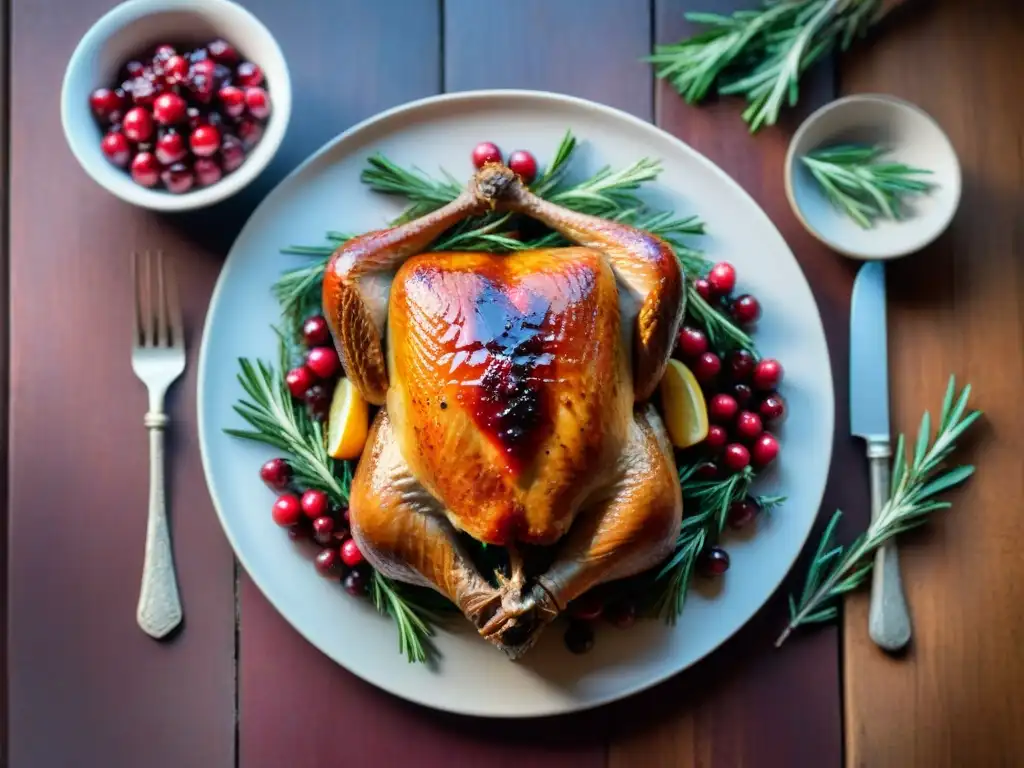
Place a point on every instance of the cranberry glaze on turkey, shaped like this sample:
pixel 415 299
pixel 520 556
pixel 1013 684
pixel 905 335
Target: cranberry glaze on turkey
pixel 514 390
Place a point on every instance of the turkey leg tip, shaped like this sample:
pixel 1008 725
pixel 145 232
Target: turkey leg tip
pixel 495 182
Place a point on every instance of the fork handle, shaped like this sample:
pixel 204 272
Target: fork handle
pixel 159 609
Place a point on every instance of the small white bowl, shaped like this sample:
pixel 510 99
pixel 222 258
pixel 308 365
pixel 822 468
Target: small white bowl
pixel 912 137
pixel 136 25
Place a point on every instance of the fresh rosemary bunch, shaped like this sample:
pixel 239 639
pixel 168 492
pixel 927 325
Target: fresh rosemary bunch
pixel 761 54
pixel 712 499
pixel 836 570
pixel 860 185
pixel 278 420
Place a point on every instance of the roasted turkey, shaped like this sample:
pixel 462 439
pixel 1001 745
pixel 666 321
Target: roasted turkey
pixel 514 393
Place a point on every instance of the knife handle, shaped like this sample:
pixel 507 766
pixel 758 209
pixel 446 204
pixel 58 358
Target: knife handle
pixel 889 617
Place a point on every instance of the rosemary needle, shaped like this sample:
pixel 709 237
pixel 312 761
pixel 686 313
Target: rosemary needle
pixel 861 185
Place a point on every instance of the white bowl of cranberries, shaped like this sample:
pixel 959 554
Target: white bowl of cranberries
pixel 174 105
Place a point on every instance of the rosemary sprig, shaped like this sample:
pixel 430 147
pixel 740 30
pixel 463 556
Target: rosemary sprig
pixel 836 570
pixel 277 420
pixel 723 333
pixel 712 499
pixel 761 54
pixel 860 185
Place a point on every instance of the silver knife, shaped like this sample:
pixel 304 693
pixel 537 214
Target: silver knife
pixel 888 618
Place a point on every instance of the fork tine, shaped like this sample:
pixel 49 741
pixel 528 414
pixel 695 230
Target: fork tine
pixel 174 311
pixel 163 329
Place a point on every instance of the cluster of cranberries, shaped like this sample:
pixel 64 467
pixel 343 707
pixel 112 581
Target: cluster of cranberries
pixel 584 613
pixel 181 117
pixel 520 162
pixel 742 399
pixel 313 382
pixel 309 514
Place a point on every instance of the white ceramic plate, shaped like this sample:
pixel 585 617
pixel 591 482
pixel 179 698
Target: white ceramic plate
pixel 325 193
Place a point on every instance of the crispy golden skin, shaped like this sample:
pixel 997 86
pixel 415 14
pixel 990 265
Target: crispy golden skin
pixel 514 390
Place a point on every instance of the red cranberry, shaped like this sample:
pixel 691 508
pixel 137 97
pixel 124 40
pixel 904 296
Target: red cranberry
pixel 486 152
pixel 258 103
pixel 204 141
pixel 315 332
pixel 742 512
pixel 145 169
pixel 706 367
pixel 767 374
pixel 116 148
pixel 748 425
pixel 743 394
pixel 327 562
pixel 207 171
pixel 134 69
pixel 356 583
pixel 350 554
pixel 250 132
pixel 323 530
pixel 233 100
pixel 299 380
pixel 722 278
pixel 222 51
pixel 586 607
pixel 163 53
pixel 708 470
pixel 323 361
pixel 524 164
pixel 716 438
pixel 713 561
pixel 204 67
pixel 169 108
pixel 298 532
pixel 772 408
pixel 178 178
pixel 144 90
pixel 176 70
pixel 703 288
pixel 740 364
pixel 201 87
pixel 315 503
pixel 249 75
pixel 138 124
pixel 722 408
pixel 692 342
pixel 318 401
pixel 232 153
pixel 736 457
pixel 287 510
pixel 764 450
pixel 746 309
pixel 276 474
pixel 170 148
pixel 579 637
pixel 621 614
pixel 105 101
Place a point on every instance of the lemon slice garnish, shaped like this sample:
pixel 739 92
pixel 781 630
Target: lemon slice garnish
pixel 682 402
pixel 348 422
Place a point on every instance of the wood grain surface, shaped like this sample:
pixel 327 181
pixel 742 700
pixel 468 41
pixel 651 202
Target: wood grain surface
pixel 956 307
pixel 87 686
pixel 237 685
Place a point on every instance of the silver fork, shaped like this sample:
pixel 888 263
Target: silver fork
pixel 158 359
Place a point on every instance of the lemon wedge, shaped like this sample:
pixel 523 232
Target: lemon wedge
pixel 683 407
pixel 347 422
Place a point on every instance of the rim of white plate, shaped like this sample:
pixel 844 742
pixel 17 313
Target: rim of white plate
pixel 505 93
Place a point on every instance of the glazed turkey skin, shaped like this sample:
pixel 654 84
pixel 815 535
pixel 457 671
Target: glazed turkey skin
pixel 510 388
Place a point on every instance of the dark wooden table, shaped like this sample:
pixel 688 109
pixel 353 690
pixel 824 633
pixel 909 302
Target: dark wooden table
pixel 237 685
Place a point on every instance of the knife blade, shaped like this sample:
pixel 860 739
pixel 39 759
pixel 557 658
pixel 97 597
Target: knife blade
pixel 869 364
pixel 888 616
